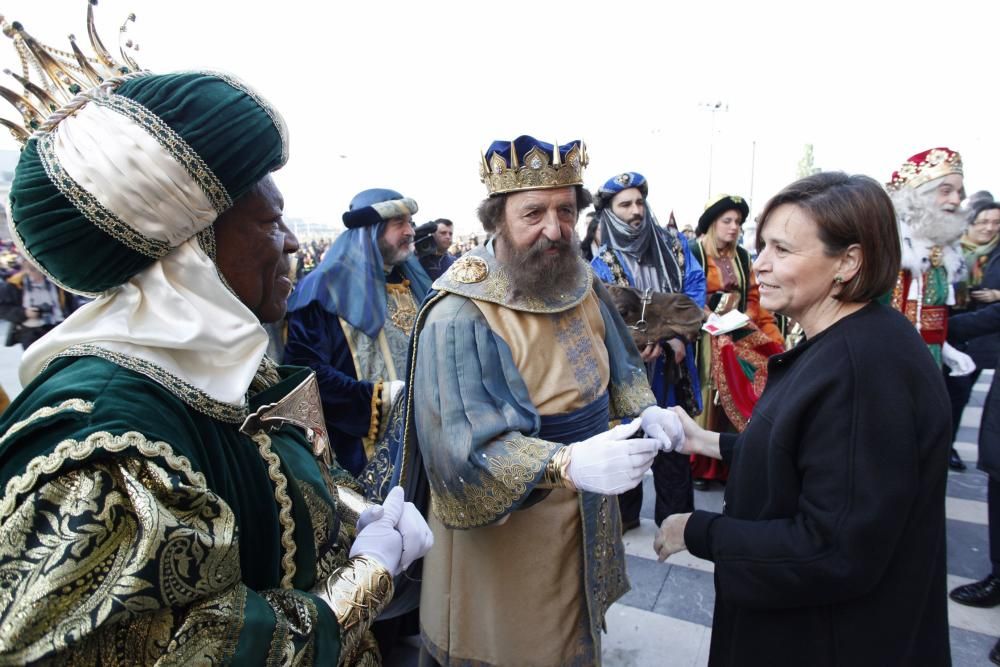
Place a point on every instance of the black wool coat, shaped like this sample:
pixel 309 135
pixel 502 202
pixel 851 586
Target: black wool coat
pixel 831 546
pixel 983 323
pixel 984 349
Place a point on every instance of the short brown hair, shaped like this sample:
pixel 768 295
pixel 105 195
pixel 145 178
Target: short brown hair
pixel 491 209
pixel 848 210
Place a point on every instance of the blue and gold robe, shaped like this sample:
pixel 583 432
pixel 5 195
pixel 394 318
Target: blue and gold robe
pixel 519 573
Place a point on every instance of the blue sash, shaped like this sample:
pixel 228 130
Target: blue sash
pixel 577 425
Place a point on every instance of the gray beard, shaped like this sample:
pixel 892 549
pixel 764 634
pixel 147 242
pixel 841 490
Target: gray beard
pixel 532 273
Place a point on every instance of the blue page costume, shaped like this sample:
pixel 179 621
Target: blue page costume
pixel 350 320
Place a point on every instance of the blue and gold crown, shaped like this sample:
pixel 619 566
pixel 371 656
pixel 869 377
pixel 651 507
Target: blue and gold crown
pixel 528 164
pixel 61 74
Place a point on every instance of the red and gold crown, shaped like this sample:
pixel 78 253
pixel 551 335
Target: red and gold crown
pixel 925 167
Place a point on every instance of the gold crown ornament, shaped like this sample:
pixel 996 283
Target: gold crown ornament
pixel 925 167
pixel 61 77
pixel 528 164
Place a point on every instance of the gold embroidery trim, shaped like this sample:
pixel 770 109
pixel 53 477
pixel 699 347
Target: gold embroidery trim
pixel 78 450
pixel 631 397
pixel 505 481
pixel 376 412
pixel 357 593
pixel 186 392
pixel 74 404
pixel 400 305
pixel 284 507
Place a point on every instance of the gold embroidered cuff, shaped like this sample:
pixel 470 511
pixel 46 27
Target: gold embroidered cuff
pixel 556 475
pixel 357 593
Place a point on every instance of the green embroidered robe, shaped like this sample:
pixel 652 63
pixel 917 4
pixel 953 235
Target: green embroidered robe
pixel 137 527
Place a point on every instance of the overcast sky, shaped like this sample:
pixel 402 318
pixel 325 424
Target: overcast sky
pixel 405 94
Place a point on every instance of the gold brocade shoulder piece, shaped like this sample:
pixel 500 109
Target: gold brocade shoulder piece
pixel 78 450
pixel 479 276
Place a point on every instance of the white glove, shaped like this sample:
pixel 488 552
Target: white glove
pixel 958 363
pixel 665 426
pixel 417 536
pixel 611 462
pixel 392 389
pixel 379 538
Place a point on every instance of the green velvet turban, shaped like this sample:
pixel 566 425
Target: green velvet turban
pixel 136 170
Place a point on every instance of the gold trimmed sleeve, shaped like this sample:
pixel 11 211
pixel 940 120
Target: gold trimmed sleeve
pixel 514 467
pixel 629 398
pixel 357 593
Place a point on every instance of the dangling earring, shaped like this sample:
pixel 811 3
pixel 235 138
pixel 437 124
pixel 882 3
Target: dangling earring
pixel 838 279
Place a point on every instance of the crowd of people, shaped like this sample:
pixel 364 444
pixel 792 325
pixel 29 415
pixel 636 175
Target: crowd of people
pixel 452 444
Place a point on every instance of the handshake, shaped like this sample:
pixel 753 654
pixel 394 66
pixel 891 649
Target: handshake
pixel 613 462
pixel 393 533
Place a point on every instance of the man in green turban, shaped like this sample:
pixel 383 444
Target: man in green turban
pixel 169 493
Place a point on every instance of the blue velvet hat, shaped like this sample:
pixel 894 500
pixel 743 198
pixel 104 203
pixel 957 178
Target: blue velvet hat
pixel 616 184
pixel 370 207
pixel 529 164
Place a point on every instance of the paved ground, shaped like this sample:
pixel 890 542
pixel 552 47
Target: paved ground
pixel 666 619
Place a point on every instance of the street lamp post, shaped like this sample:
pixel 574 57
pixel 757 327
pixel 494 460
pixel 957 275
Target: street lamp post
pixel 713 107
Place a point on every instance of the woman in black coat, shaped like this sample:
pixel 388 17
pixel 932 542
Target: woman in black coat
pixel 830 549
pixel 986 592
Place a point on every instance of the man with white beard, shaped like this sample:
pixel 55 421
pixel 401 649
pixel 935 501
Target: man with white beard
pixel 519 363
pixel 927 191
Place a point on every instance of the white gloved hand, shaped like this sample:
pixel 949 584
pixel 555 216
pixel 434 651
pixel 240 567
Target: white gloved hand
pixel 379 538
pixel 611 462
pixel 392 389
pixel 665 426
pixel 958 363
pixel 417 536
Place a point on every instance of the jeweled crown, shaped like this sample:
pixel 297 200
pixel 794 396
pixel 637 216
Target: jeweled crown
pixel 528 164
pixel 59 75
pixel 924 167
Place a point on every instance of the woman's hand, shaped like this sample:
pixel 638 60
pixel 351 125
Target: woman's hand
pixel 696 439
pixel 984 295
pixel 670 538
pixel 651 352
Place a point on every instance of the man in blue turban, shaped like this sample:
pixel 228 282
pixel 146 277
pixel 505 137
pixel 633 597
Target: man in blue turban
pixel 638 252
pixel 350 320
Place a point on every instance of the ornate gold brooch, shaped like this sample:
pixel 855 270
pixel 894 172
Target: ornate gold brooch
pixel 469 270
